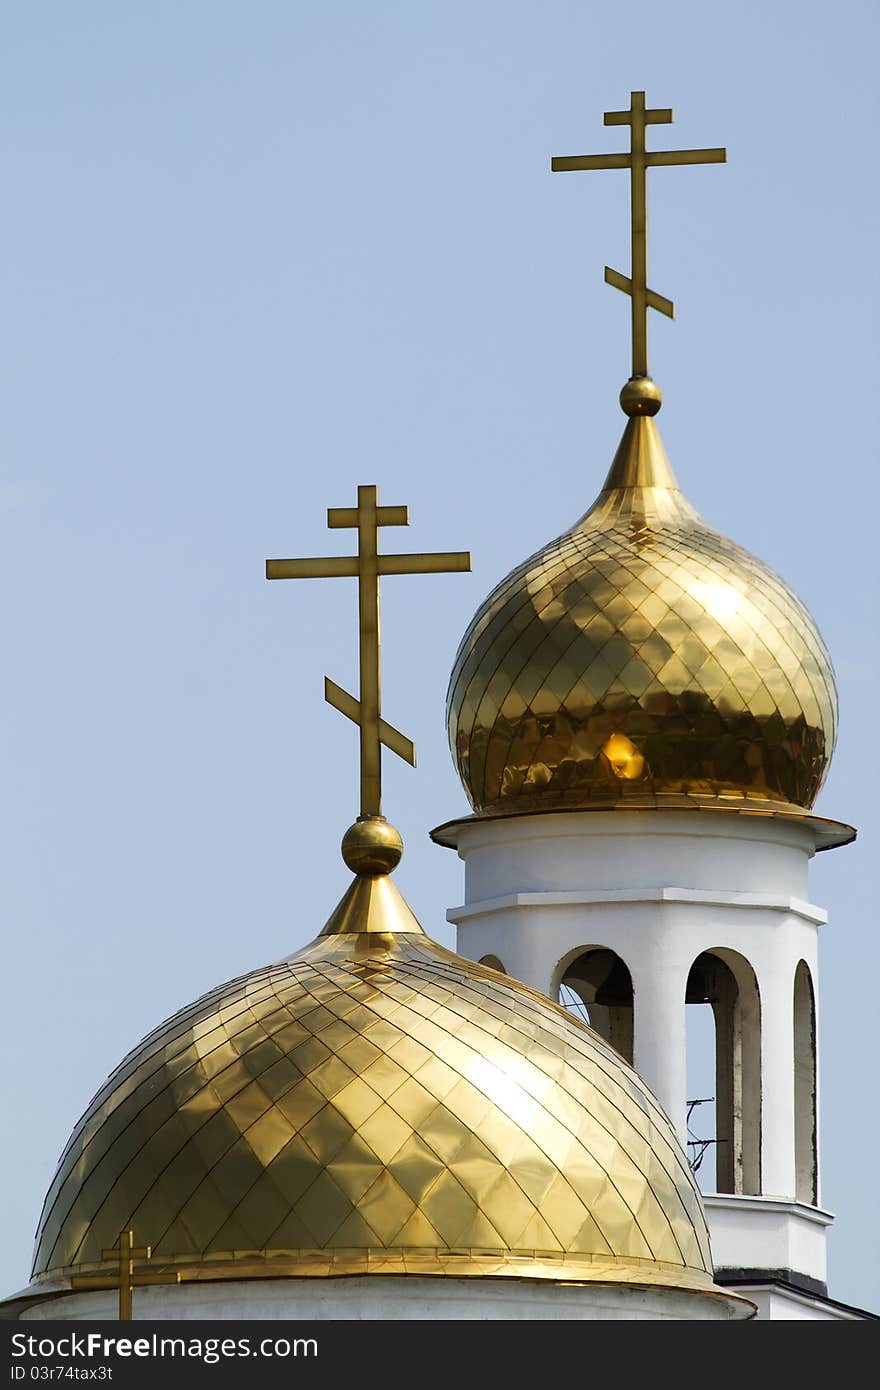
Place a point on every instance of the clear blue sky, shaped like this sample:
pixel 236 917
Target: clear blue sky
pixel 256 254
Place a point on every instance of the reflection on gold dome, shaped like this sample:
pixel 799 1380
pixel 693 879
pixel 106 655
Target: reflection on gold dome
pixel 625 759
pixel 641 653
pixel 375 1104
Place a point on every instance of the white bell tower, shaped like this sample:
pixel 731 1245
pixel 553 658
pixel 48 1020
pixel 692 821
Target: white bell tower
pixel 640 912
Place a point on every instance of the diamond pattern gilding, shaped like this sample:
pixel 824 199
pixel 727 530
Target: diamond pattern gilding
pixel 643 622
pixel 284 1120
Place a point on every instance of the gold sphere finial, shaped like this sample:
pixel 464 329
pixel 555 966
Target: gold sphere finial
pixel 372 846
pixel 640 396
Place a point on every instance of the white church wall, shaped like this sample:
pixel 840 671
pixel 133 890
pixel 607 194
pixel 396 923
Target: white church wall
pixel 786 1305
pixel 588 849
pixel 398 1299
pixel 764 1233
pixel 660 889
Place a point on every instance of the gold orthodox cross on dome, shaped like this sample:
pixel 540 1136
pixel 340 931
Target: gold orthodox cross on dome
pixel 638 161
pixel 367 567
pixel 126 1278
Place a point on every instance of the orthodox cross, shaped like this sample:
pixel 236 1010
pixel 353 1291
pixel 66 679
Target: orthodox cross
pixel 367 566
pixel 127 1278
pixel 638 161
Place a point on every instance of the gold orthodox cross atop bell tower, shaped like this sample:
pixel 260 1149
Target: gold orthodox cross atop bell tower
pixel 638 161
pixel 367 567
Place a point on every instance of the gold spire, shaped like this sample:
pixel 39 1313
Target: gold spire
pixel 638 161
pixel 371 846
pixel 373 905
pixel 641 460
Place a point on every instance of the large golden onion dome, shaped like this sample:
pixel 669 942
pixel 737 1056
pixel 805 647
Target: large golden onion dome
pixel 638 657
pixel 374 1104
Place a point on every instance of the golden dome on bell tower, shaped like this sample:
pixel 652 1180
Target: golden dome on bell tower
pixel 641 657
pixel 641 652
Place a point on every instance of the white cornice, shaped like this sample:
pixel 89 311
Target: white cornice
pixel 608 897
pixel 731 1201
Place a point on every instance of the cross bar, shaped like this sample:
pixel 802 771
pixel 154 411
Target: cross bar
pixel 655 301
pixel 564 163
pixel 106 1281
pixel 142 1252
pixel 561 164
pixel 660 115
pixel 658 158
pixel 351 708
pixel 333 567
pixel 347 517
pixel 346 566
pixel 442 562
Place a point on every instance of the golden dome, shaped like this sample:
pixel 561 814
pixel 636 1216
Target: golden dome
pixel 641 656
pixel 374 1104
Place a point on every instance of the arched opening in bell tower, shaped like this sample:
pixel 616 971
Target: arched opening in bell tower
pixel 724 980
pixel 805 1147
pixel 596 985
